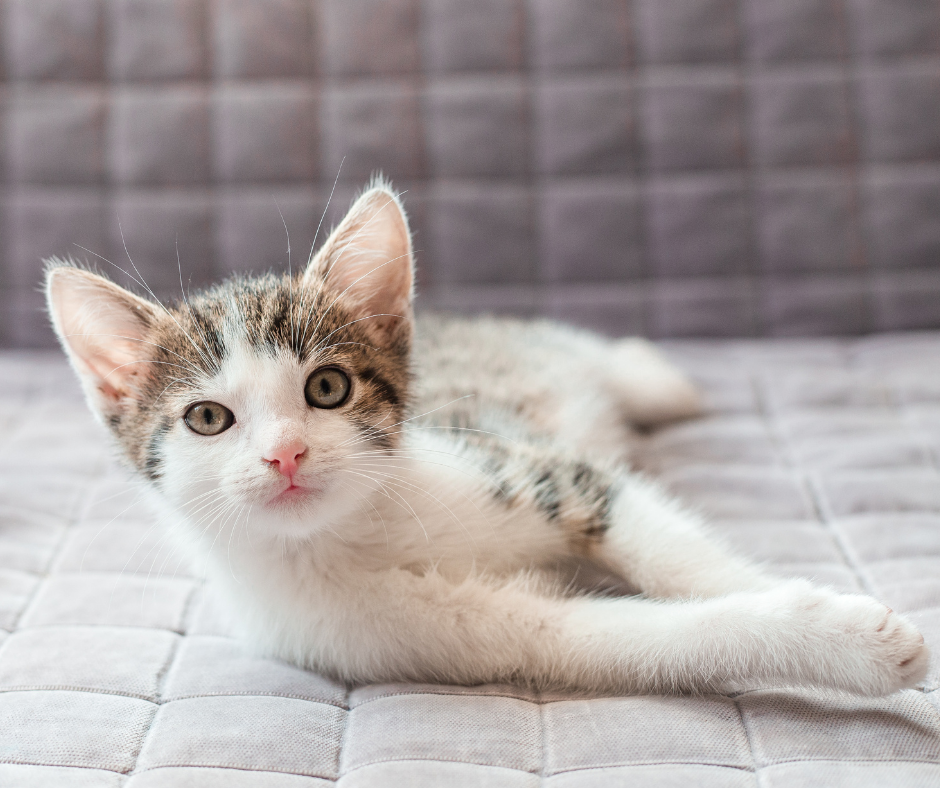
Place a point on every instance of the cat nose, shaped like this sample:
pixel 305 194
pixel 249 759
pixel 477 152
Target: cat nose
pixel 284 458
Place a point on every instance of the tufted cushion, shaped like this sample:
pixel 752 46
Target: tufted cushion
pixel 664 167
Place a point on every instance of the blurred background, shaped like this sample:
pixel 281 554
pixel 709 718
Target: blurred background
pixel 661 167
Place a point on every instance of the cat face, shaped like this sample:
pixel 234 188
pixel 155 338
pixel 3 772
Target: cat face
pixel 261 403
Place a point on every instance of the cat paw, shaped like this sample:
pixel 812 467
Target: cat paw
pixel 874 651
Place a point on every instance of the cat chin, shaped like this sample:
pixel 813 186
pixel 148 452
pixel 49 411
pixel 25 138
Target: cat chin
pixel 300 516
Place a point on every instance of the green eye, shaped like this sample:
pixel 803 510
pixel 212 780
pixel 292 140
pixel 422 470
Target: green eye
pixel 327 388
pixel 209 418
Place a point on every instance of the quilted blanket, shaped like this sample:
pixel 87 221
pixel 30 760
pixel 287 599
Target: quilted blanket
pixel 819 457
pixel 676 168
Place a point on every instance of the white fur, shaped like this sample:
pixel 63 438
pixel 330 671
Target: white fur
pixel 430 578
pixel 406 566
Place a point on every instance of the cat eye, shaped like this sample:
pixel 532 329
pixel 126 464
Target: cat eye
pixel 209 418
pixel 327 388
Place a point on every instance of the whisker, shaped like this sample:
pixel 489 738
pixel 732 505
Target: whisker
pixel 126 273
pixel 229 548
pixel 154 296
pixel 351 285
pixel 409 485
pixel 420 415
pixel 191 368
pixel 483 479
pixel 404 503
pixel 290 278
pixel 214 366
pixel 364 439
pixel 313 243
pixel 330 271
pixel 346 484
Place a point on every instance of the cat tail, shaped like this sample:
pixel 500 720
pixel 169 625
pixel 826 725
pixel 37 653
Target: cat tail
pixel 650 388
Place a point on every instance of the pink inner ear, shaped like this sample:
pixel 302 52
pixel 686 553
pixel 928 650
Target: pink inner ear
pixel 102 327
pixel 113 371
pixel 368 259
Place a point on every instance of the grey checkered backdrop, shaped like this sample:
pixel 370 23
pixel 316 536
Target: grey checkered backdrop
pixel 665 167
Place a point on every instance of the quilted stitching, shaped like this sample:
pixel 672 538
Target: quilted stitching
pixel 819 458
pixel 667 167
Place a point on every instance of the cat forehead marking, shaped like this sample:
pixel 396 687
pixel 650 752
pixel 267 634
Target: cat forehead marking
pixel 270 313
pixel 270 378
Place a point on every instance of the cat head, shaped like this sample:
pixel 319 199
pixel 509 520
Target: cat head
pixel 261 395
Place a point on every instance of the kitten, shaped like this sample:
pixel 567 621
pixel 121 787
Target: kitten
pixel 380 513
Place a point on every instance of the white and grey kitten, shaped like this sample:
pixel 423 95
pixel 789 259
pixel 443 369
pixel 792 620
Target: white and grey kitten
pixel 381 513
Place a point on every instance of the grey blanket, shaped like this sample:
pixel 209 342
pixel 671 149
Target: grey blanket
pixel 818 457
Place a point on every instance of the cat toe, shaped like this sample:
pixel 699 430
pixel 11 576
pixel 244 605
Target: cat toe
pixel 908 649
pixel 892 651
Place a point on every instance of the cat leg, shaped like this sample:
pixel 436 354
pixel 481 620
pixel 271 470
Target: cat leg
pixel 628 525
pixel 619 520
pixel 395 625
pixel 665 550
pixel 650 389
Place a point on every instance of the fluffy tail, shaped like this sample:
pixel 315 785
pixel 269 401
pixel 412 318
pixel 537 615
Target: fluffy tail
pixel 652 390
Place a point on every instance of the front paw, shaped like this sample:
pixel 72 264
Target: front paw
pixel 870 649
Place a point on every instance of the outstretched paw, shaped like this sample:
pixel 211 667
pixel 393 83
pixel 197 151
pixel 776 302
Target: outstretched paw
pixel 882 651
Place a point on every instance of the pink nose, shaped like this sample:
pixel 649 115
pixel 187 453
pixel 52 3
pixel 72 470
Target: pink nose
pixel 284 458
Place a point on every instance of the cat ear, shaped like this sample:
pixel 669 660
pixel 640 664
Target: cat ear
pixel 367 260
pixel 103 329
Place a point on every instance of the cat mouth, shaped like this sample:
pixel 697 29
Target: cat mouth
pixel 296 493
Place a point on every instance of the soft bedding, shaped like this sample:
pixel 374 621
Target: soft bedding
pixel 819 457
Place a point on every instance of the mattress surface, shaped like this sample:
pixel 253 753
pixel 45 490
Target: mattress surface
pixel 818 457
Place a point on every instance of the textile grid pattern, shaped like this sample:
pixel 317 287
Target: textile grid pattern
pixel 659 167
pixel 820 457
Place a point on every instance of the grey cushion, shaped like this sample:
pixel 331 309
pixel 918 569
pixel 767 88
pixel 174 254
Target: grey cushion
pixel 816 457
pixel 665 167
